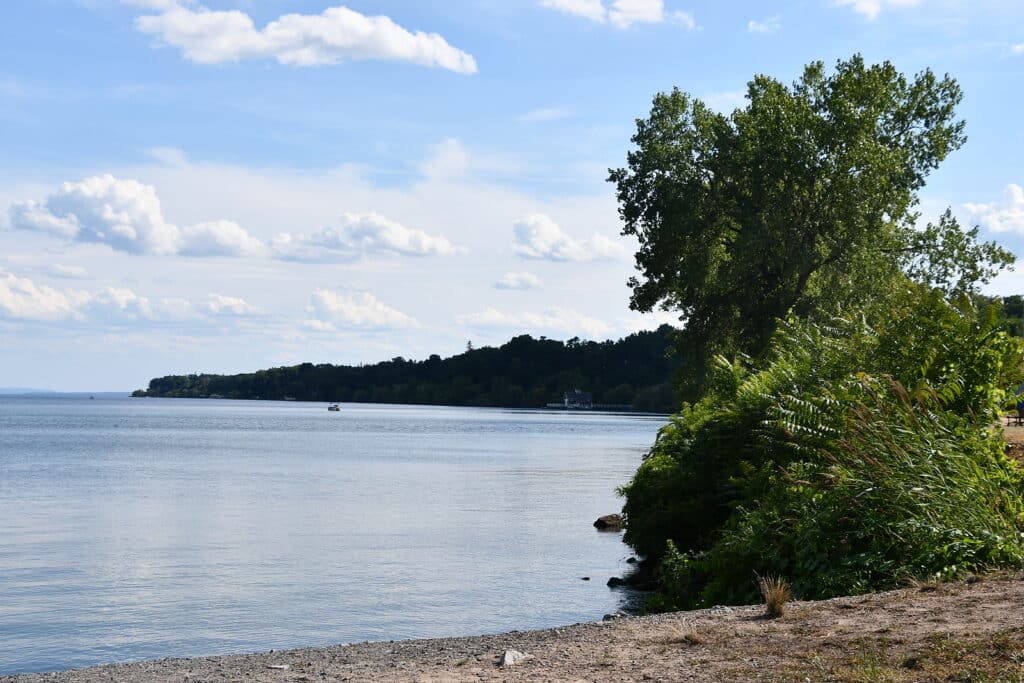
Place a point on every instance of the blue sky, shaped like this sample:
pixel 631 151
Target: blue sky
pixel 225 185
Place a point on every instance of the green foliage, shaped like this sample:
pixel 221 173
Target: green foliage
pixel 852 457
pixel 911 490
pixel 801 201
pixel 523 373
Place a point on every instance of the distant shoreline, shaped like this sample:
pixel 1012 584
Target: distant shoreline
pixel 540 409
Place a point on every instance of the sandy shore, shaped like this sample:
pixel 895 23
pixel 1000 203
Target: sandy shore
pixel 966 631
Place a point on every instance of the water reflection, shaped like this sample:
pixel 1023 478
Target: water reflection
pixel 152 528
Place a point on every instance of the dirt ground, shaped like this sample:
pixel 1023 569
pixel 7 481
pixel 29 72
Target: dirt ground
pixel 965 631
pixel 1014 441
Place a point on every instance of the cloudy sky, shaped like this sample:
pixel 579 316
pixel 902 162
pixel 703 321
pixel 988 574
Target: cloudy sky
pixel 225 185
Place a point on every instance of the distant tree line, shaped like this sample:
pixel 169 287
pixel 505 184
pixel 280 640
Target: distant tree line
pixel 522 373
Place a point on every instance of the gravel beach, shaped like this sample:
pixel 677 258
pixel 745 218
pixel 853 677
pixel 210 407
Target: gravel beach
pixel 964 631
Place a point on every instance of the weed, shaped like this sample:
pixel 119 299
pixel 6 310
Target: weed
pixel 776 594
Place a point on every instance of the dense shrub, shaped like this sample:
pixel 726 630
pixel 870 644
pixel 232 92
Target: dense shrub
pixel 848 459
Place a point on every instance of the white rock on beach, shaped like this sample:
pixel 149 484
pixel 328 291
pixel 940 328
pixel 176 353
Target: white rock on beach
pixel 513 657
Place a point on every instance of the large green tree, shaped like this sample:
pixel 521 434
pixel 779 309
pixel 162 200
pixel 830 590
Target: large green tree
pixel 801 201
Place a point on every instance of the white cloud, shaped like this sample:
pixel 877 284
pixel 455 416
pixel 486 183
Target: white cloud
pixel 536 236
pixel 521 280
pixel 588 9
pixel 449 160
pixel 219 238
pixel 124 214
pixel 557 320
pixel 23 299
pixel 336 35
pixel 684 19
pixel 333 310
pixel 625 13
pixel 770 25
pixel 1017 49
pixel 218 304
pixel 872 8
pixel 360 234
pixel 622 13
pixel 637 322
pixel 127 216
pixel 1004 216
pixel 122 303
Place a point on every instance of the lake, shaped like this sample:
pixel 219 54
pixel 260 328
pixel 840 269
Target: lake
pixel 148 528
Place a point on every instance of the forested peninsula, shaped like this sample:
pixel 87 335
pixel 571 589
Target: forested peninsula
pixel 525 372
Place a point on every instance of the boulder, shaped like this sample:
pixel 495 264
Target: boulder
pixel 609 523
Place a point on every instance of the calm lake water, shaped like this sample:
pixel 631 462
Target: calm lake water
pixel 148 528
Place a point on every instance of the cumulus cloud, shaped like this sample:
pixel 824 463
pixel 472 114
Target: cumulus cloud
pixel 519 281
pixel 872 8
pixel 622 13
pixel 536 236
pixel 557 320
pixel 359 234
pixel 21 298
pixel 336 35
pixel 1004 216
pixel 126 215
pixel 330 311
pixel 218 304
pixel 1017 49
pixel 219 238
pixel 122 303
pixel 770 25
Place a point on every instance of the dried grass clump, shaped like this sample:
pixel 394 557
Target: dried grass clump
pixel 776 594
pixel 676 635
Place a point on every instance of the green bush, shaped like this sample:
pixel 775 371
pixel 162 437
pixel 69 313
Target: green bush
pixel 849 458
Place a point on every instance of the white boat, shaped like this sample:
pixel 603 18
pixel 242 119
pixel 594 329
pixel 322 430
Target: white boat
pixel 334 408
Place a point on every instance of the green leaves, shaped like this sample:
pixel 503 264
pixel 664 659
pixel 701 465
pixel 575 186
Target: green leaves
pixel 848 459
pixel 801 201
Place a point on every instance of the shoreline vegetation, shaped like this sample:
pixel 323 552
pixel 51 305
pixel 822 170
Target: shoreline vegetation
pixel 970 630
pixel 632 373
pixel 837 435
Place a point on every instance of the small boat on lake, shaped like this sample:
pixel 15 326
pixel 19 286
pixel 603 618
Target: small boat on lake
pixel 334 408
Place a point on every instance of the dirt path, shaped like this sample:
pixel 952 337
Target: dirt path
pixel 1014 441
pixel 968 631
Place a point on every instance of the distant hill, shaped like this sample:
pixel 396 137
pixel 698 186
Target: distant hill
pixel 525 372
